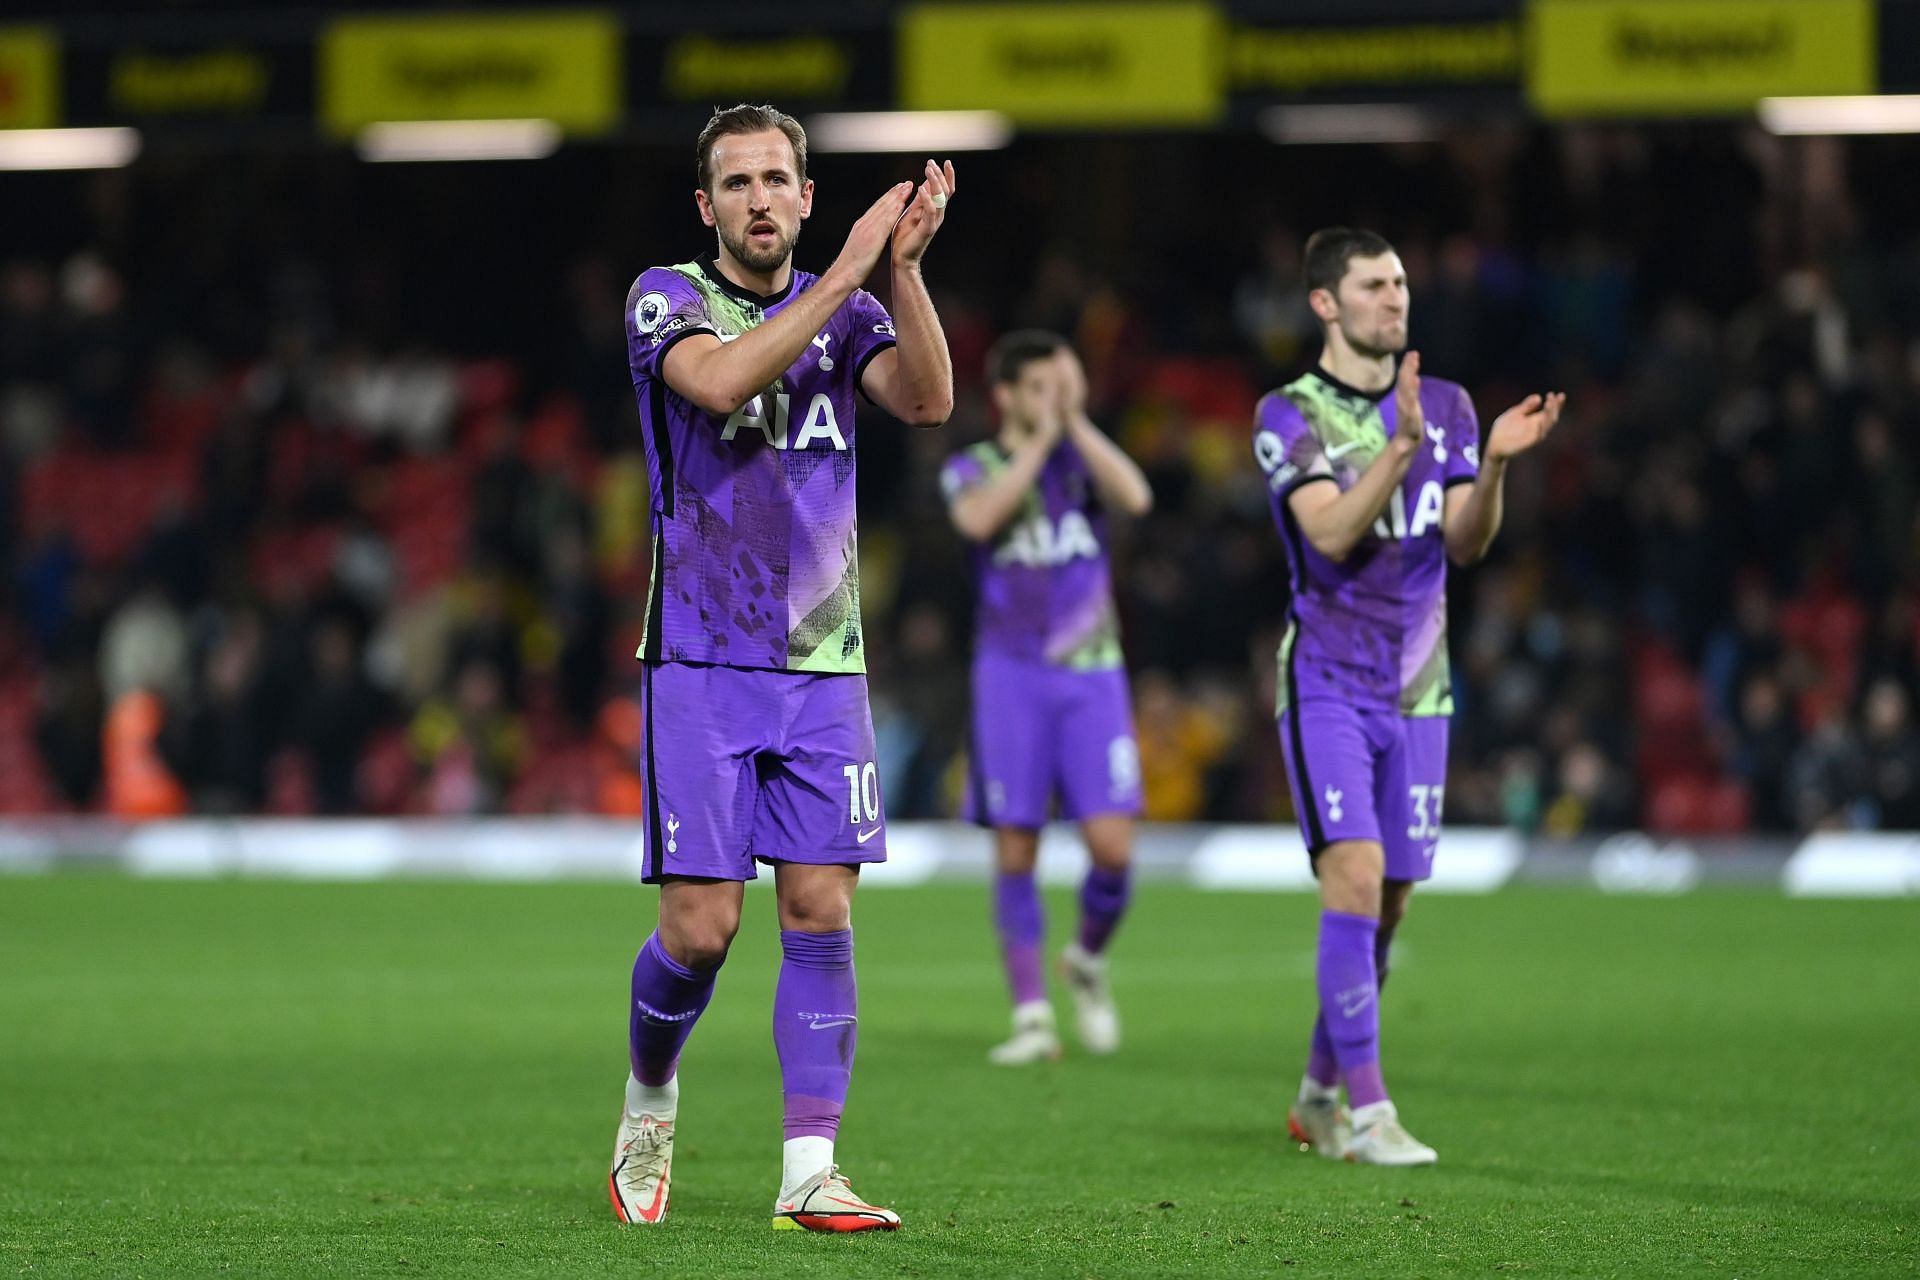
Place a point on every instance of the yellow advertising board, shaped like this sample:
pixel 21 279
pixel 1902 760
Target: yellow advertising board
pixel 29 78
pixel 1288 59
pixel 1075 64
pixel 231 81
pixel 563 67
pixel 1694 57
pixel 704 67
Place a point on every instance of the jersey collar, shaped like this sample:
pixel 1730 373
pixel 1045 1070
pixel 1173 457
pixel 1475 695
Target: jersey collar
pixel 1357 393
pixel 709 265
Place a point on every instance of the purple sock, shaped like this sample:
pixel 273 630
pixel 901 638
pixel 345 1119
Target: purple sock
pixel 668 999
pixel 1350 1002
pixel 1322 1066
pixel 1103 900
pixel 1016 913
pixel 816 1024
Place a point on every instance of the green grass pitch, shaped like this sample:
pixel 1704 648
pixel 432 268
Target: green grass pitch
pixel 412 1079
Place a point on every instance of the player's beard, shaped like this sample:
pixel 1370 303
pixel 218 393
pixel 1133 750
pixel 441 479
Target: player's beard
pixel 760 261
pixel 1377 345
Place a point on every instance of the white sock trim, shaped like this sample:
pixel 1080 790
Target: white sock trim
pixel 1312 1090
pixel 800 1159
pixel 1373 1113
pixel 657 1100
pixel 1033 1011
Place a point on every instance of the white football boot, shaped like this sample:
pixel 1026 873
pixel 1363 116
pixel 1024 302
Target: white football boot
pixel 1034 1038
pixel 642 1166
pixel 825 1202
pixel 1094 1014
pixel 1378 1138
pixel 1322 1124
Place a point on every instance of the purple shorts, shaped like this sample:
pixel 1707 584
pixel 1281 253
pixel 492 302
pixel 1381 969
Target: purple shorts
pixel 1041 731
pixel 741 765
pixel 1358 774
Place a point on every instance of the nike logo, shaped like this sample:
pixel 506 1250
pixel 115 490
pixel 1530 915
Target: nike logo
pixel 1337 452
pixel 652 1212
pixel 851 1204
pixel 865 836
pixel 821 1024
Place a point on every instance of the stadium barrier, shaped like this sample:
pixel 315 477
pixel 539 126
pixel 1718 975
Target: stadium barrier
pixel 1226 858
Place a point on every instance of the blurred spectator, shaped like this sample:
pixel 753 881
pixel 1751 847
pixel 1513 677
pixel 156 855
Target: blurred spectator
pixel 1827 777
pixel 97 351
pixel 1270 304
pixel 470 743
pixel 225 736
pixel 408 398
pixel 67 730
pixel 1179 746
pixel 139 781
pixel 502 501
pixel 339 710
pixel 484 632
pixel 144 648
pixel 923 714
pixel 1764 756
pixel 1590 795
pixel 44 587
pixel 575 620
pixel 30 407
pixel 1892 755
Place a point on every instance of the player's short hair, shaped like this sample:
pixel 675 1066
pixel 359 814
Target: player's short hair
pixel 1330 249
pixel 1016 350
pixel 747 118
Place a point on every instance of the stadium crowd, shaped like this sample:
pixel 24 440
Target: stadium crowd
pixel 304 510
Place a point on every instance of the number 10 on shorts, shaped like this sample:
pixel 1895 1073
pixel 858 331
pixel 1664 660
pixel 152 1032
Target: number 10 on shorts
pixel 863 791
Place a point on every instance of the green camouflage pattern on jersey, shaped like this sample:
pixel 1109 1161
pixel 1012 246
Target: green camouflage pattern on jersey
pixel 1352 432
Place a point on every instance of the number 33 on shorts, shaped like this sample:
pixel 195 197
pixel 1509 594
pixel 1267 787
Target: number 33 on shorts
pixel 1424 803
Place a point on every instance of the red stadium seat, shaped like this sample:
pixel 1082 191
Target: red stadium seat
pixel 1678 806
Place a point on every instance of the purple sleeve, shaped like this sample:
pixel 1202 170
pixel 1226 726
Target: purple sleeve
pixel 869 332
pixel 1285 447
pixel 961 472
pixel 662 307
pixel 1463 442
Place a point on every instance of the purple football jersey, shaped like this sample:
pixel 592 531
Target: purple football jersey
pixel 1045 585
pixel 1372 629
pixel 754 561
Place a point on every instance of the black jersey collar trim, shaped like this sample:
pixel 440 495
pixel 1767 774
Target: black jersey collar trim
pixel 1337 385
pixel 709 265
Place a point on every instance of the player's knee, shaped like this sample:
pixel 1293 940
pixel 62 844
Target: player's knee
pixel 1110 845
pixel 1015 851
pixel 821 912
pixel 700 942
pixel 706 947
pixel 1352 884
